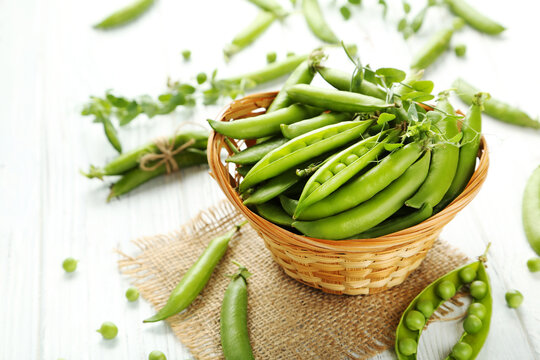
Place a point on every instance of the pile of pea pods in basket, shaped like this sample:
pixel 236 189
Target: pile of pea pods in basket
pixel 372 153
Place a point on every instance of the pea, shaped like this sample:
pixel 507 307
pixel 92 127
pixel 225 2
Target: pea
pixel 271 57
pixel 478 289
pixel 345 12
pixel 186 54
pixel 446 289
pixel 108 330
pixel 467 275
pixel 425 307
pixel 415 320
pixel 70 265
pixel 407 346
pixel 201 78
pixel 132 294
pixel 460 50
pixel 472 324
pixel 478 309
pixel 534 264
pixel 462 351
pixel 157 355
pixel 514 299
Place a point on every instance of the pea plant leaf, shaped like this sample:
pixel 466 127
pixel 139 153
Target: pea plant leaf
pixel 390 75
pixel 423 85
pixel 385 117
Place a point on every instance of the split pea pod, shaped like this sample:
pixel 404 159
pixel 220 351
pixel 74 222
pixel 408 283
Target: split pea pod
pixel 302 149
pixel 270 5
pixel 137 176
pixel 341 80
pixel 495 108
pixel 248 35
pixel 263 125
pixel 434 48
pixel 304 126
pixel 531 210
pixel 336 100
pixel 474 18
pixel 274 213
pixel 364 187
pixel 443 166
pixel 125 15
pixel 303 74
pixel 196 278
pixel 233 320
pixel 316 22
pixel 372 212
pixel 256 152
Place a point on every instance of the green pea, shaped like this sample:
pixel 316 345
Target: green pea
pixel 462 351
pixel 132 294
pixel 157 355
pixel 467 274
pixel 271 57
pixel 201 78
pixel 460 50
pixel 533 264
pixel 472 324
pixel 478 309
pixel 415 320
pixel 514 299
pixel 108 330
pixel 478 289
pixel 186 54
pixel 446 289
pixel 345 12
pixel 425 307
pixel 70 265
pixel 407 346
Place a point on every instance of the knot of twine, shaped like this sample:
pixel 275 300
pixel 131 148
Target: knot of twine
pixel 166 155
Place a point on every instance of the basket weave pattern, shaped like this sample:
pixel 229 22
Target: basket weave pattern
pixel 353 267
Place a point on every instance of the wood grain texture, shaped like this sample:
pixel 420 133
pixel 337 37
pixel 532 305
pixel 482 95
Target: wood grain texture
pixel 52 60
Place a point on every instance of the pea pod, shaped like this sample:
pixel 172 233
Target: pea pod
pixel 365 186
pixel 495 108
pixel 125 15
pixel 443 166
pixel 436 45
pixel 248 35
pixel 274 213
pixel 474 18
pixel 316 22
pixel 339 169
pixel 304 126
pixel 263 125
pixel 303 74
pixel 429 300
pixel 271 5
pixel 303 148
pixel 341 80
pixel 112 134
pixel 372 212
pixel 243 170
pixel 256 152
pixel 531 210
pixel 196 278
pixel 273 188
pixel 335 100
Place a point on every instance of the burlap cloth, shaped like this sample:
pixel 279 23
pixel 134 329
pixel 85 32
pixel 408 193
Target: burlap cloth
pixel 287 320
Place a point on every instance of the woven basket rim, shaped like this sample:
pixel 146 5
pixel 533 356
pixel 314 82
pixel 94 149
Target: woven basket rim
pixel 387 242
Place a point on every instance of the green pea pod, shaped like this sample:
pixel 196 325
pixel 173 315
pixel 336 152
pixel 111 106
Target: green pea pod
pixel 273 188
pixel 336 100
pixel 470 143
pixel 303 74
pixel 248 35
pixel 429 300
pixel 365 186
pixel 436 45
pixel 233 319
pixel 274 213
pixel 495 108
pixel 125 15
pixel 196 278
pixel 341 80
pixel 302 149
pixel 136 177
pixel 531 210
pixel 443 103
pixel 304 126
pixel 256 152
pixel 112 134
pixel 270 5
pixel 339 169
pixel 474 18
pixel 396 224
pixel 372 212
pixel 316 22
pixel 243 170
pixel 443 166
pixel 263 125
pixel 130 159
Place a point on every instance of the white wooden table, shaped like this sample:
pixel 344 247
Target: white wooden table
pixel 51 60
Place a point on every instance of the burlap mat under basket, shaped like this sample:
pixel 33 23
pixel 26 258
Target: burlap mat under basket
pixel 287 320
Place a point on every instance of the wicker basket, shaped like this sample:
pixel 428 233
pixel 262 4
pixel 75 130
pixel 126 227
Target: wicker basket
pixel 350 267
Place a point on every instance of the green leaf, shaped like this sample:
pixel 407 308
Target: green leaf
pixel 385 117
pixel 423 85
pixel 369 75
pixel 391 75
pixel 417 96
pixel 402 24
pixel 412 113
pixel 116 101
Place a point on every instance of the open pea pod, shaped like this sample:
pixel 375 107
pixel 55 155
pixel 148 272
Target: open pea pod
pixel 426 303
